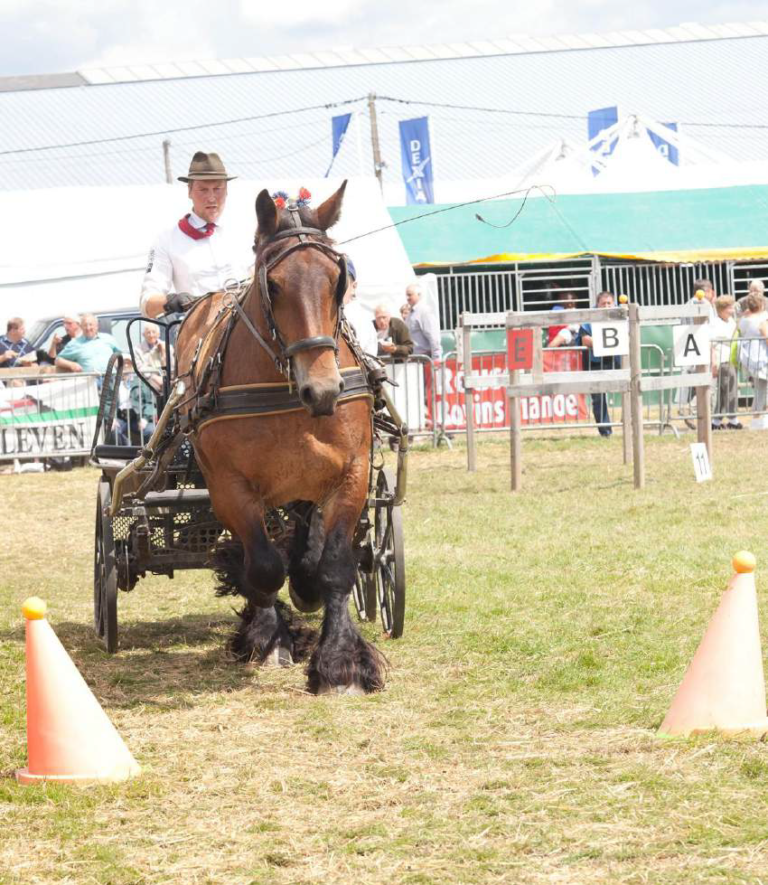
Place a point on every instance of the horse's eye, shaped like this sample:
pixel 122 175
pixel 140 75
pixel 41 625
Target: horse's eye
pixel 274 289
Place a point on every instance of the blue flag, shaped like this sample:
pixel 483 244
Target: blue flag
pixel 666 150
pixel 339 127
pixel 417 161
pixel 598 120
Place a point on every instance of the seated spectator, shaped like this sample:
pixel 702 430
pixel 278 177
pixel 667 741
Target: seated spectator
pixel 563 336
pixel 723 329
pixel 135 415
pixel 151 355
pixel 15 351
pixel 393 335
pixel 90 352
pixel 71 323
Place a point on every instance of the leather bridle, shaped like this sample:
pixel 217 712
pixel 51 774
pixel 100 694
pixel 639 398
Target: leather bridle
pixel 285 352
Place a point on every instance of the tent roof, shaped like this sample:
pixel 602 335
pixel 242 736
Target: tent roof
pixel 677 226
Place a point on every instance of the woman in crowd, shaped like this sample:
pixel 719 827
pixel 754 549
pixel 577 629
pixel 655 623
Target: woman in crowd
pixel 753 352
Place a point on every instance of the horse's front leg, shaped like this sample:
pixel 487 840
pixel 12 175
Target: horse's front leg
pixel 256 572
pixel 343 661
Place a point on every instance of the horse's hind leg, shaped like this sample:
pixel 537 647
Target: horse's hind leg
pixel 343 661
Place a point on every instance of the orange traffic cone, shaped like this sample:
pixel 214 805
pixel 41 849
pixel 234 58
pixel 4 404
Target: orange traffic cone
pixel 724 687
pixel 69 737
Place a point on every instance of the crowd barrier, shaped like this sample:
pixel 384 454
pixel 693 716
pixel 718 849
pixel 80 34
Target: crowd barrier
pixel 53 416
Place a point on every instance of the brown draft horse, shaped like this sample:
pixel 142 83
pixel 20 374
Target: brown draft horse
pixel 316 457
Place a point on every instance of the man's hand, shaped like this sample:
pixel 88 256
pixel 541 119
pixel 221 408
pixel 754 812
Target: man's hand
pixel 179 302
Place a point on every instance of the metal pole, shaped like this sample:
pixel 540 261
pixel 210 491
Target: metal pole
pixel 167 161
pixel 377 164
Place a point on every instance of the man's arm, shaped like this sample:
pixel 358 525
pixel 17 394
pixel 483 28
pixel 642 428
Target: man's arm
pixel 401 339
pixel 158 281
pixel 67 365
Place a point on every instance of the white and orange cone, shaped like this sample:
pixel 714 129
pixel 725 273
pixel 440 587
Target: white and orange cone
pixel 724 687
pixel 69 737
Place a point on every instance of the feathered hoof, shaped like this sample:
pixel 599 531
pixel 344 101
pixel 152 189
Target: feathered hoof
pixel 341 689
pixel 278 657
pixel 305 606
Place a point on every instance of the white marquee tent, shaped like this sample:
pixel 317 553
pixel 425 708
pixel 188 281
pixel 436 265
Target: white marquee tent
pixel 76 249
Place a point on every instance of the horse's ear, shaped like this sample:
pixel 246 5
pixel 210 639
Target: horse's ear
pixel 266 214
pixel 328 212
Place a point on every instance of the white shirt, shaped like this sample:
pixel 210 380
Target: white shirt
pixel 179 263
pixel 722 332
pixel 425 331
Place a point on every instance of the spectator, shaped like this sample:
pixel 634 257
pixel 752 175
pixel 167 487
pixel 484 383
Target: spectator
pixel 202 251
pixel 422 324
pixel 356 316
pixel 90 352
pixel 724 373
pixel 596 363
pixel 392 334
pixel 753 353
pixel 15 350
pixel 563 336
pixel 405 311
pixel 151 355
pixel 755 285
pixel 72 330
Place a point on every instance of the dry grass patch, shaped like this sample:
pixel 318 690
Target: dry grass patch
pixel 546 634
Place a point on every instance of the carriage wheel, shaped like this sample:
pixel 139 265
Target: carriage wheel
pixel 389 560
pixel 105 572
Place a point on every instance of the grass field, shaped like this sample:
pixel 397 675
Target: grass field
pixel 546 634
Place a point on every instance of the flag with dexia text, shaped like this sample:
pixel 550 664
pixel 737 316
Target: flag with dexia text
pixel 416 155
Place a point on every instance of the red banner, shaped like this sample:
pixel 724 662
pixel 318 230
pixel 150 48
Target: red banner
pixel 491 410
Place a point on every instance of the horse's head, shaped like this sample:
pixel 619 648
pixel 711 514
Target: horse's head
pixel 304 279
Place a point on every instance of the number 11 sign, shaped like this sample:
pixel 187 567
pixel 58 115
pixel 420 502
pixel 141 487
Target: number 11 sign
pixel 701 466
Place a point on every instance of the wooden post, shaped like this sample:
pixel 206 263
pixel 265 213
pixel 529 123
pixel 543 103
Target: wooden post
pixel 626 417
pixel 469 400
pixel 167 161
pixel 636 396
pixel 377 162
pixel 516 436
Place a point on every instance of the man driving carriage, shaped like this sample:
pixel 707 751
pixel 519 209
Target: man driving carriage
pixel 201 252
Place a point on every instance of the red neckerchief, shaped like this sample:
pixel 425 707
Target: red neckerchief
pixel 194 232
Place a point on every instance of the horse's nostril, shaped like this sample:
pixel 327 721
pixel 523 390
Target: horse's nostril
pixel 341 385
pixel 305 395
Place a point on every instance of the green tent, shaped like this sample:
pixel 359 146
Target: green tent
pixel 712 224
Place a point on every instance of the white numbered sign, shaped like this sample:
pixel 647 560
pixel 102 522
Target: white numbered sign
pixel 701 466
pixel 610 339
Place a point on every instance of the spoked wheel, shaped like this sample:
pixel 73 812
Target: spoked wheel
pixel 389 561
pixel 364 595
pixel 105 573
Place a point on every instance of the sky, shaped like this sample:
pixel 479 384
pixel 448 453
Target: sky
pixel 58 36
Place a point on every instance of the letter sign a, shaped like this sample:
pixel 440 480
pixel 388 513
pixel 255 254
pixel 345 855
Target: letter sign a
pixel 691 345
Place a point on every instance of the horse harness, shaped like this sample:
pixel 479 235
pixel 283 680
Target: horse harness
pixel 209 401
